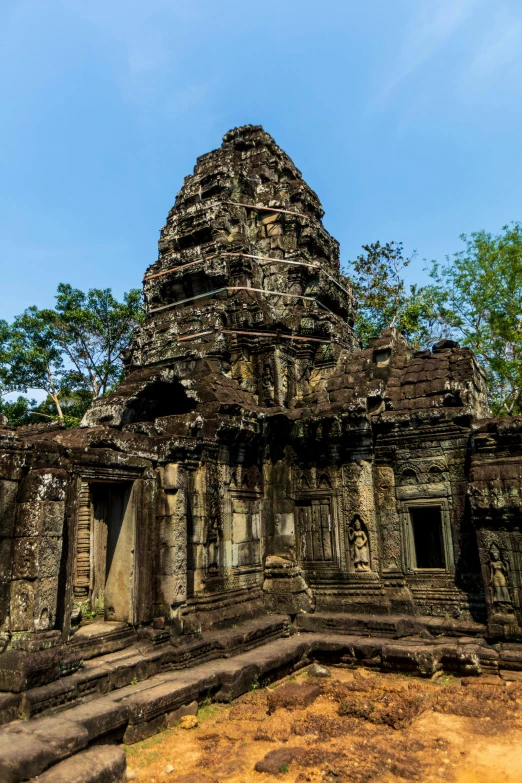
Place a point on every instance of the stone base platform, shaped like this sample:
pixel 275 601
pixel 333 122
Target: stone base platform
pixel 138 710
pixel 135 663
pixel 395 626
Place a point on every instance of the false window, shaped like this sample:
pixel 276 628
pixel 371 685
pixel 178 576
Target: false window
pixel 428 537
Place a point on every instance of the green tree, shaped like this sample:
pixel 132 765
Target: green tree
pixel 385 300
pixel 478 296
pixel 91 330
pixel 20 411
pixel 72 352
pixel 32 358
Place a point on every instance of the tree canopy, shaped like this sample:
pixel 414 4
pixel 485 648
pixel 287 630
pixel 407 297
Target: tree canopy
pixel 71 352
pixel 474 297
pixel 478 295
pixel 385 300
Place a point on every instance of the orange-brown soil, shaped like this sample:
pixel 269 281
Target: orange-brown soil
pixel 355 727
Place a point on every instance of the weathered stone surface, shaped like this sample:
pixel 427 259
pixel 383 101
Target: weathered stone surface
pixel 23 757
pixel 316 670
pixel 175 717
pixel 26 750
pixel 100 764
pixel 255 458
pixel 8 490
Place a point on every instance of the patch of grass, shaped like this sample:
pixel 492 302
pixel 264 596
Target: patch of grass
pixel 255 684
pixel 447 679
pixel 284 768
pixel 150 742
pixel 207 710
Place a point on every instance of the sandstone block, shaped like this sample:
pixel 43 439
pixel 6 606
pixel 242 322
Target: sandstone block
pixel 99 764
pixel 170 478
pixel 25 558
pixel 45 484
pixel 28 518
pixel 187 709
pixel 8 490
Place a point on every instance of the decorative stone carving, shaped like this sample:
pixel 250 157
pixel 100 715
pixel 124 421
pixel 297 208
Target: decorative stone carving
pixel 242 424
pixel 359 545
pixel 499 576
pixel 267 384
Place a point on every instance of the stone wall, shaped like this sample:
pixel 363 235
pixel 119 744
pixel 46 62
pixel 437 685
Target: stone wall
pixel 255 458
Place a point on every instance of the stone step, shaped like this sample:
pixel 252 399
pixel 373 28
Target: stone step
pixel 134 712
pixel 100 764
pixel 396 626
pixel 100 638
pixel 137 663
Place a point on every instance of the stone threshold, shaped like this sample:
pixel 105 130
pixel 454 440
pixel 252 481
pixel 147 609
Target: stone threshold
pixel 135 712
pixel 100 638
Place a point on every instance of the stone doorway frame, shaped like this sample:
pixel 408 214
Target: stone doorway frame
pixel 408 543
pixel 87 554
pixel 143 493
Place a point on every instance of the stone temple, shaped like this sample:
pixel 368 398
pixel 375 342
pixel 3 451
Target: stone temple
pixel 258 491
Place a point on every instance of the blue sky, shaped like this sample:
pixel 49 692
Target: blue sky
pixel 404 115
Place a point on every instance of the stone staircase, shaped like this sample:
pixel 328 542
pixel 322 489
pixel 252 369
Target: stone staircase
pixel 79 742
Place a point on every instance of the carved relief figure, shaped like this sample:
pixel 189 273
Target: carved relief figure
pixel 267 383
pixel 499 573
pixel 214 536
pixel 359 546
pixel 215 527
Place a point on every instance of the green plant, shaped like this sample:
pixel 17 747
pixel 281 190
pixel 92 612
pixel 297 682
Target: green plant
pixel 255 684
pixel 284 768
pixel 134 680
pixel 385 300
pixel 478 294
pixel 72 352
pixel 207 710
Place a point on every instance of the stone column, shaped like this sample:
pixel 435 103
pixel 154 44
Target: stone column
pixel 8 490
pixel 386 506
pixel 172 519
pixel 37 554
pixel 359 502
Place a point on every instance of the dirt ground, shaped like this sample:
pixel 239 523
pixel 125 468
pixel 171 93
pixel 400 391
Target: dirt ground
pixel 354 727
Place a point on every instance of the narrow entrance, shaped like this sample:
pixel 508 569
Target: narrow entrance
pixel 428 538
pixel 112 551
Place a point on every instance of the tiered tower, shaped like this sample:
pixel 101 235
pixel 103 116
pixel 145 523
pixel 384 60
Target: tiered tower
pixel 246 274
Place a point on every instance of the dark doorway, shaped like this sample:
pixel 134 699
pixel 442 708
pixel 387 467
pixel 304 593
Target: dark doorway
pixel 426 522
pixel 112 551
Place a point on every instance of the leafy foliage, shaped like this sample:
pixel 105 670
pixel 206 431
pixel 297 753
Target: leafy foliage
pixel 91 330
pixel 478 296
pixel 32 356
pixel 19 411
pixel 72 352
pixel 384 300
